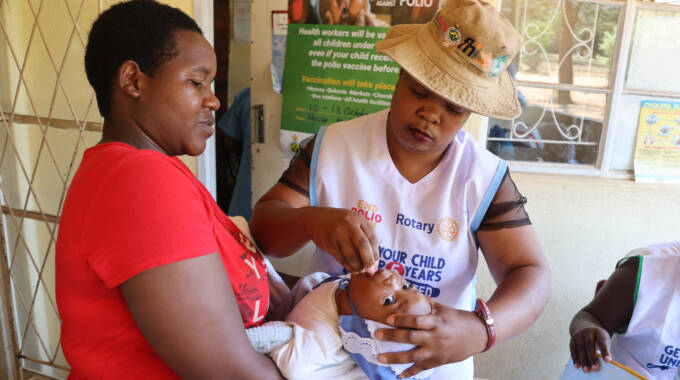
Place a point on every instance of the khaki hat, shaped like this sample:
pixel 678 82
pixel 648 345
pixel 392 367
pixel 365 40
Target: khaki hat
pixel 462 55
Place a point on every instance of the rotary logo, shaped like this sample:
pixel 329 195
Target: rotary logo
pixel 447 228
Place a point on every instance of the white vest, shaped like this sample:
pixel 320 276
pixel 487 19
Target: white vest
pixel 651 343
pixel 426 230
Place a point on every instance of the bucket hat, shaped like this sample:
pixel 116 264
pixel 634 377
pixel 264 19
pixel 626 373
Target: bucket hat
pixel 462 55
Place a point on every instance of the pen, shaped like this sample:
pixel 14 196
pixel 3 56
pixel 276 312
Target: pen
pixel 623 367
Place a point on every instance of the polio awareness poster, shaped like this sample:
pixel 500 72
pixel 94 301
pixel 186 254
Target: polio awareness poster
pixel 657 148
pixel 332 69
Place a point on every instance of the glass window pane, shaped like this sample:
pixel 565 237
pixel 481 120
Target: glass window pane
pixel 626 124
pixel 555 126
pixel 554 51
pixel 655 51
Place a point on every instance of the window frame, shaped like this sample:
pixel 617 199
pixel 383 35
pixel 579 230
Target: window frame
pixel 614 92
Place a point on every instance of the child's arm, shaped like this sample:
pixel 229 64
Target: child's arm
pixel 587 335
pixel 609 311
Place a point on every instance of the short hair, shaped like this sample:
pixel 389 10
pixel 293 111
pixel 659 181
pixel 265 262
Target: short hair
pixel 138 30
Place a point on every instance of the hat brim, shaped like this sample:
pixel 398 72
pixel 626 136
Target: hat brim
pixel 413 48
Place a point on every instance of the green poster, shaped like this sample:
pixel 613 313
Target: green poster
pixel 332 73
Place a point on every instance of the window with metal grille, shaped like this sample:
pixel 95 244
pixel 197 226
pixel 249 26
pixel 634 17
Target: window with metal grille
pixel 48 117
pixel 583 70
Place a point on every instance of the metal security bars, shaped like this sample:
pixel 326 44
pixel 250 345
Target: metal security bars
pixel 563 76
pixel 48 117
pixel 580 69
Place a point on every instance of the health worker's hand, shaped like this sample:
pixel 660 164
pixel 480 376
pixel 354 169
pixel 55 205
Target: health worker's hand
pixel 444 336
pixel 347 236
pixel 583 346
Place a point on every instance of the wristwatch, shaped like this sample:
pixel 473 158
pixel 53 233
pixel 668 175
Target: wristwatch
pixel 482 311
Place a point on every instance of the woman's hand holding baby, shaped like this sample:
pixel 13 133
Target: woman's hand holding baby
pixel 444 336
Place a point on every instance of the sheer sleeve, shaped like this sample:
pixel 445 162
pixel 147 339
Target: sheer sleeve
pixel 507 207
pixel 296 176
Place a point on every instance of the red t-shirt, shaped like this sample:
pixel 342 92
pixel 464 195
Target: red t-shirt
pixel 127 211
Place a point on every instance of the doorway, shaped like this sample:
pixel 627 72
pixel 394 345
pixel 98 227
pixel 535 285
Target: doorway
pixel 232 132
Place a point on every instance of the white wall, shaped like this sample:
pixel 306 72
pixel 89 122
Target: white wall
pixel 585 225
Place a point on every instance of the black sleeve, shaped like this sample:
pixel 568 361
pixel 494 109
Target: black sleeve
pixel 296 176
pixel 507 207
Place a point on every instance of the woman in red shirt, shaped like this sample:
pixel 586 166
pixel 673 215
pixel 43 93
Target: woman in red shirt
pixel 153 280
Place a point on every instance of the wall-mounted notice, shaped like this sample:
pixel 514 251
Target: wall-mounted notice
pixel 279 31
pixel 333 71
pixel 657 149
pixel 242 21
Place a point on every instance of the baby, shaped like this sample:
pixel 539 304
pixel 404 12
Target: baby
pixel 334 328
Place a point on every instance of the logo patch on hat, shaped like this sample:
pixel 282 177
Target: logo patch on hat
pixel 452 36
pixel 469 48
pixel 497 65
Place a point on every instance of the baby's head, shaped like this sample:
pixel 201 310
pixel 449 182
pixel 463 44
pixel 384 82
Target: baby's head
pixel 375 297
pixel 384 293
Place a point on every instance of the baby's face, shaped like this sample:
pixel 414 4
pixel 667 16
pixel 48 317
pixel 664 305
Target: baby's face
pixel 384 293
